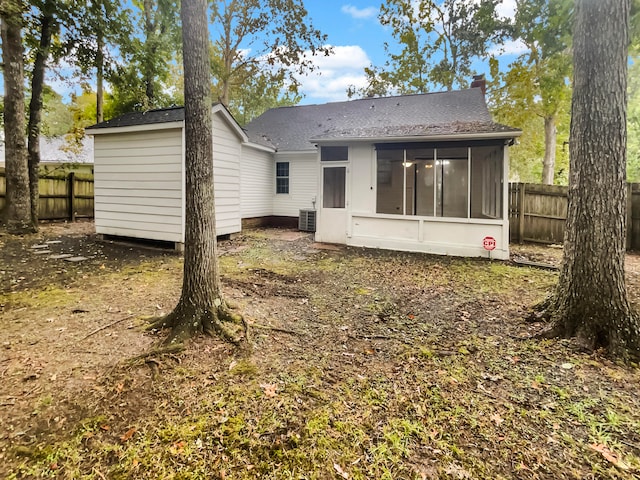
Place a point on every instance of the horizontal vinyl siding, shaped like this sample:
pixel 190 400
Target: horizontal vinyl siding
pixel 138 184
pixel 303 184
pixel 226 175
pixel 257 183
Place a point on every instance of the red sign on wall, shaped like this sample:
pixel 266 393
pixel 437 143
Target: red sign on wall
pixel 489 243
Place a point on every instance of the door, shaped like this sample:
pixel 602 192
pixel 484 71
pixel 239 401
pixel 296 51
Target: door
pixel 332 225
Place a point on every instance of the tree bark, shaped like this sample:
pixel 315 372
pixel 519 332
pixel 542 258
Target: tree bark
pixel 100 80
pixel 35 109
pixel 18 209
pixel 201 308
pixel 590 301
pixel 549 162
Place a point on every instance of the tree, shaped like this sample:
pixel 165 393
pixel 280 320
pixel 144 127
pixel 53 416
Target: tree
pixel 439 40
pixel 272 37
pixel 590 300
pixel 139 81
pixel 538 81
pixel 18 209
pixel 201 308
pixel 46 26
pixel 97 25
pixel 633 122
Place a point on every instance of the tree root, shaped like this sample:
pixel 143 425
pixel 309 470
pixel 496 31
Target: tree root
pixel 174 348
pixel 186 321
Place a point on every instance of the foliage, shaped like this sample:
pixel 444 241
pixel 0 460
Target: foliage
pixel 261 47
pixel 537 85
pixel 140 81
pixel 438 43
pixel 57 118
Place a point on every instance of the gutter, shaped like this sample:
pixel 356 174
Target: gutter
pixel 425 138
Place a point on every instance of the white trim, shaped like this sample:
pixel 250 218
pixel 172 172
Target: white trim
pixel 257 146
pixel 219 108
pixel 136 128
pixel 462 220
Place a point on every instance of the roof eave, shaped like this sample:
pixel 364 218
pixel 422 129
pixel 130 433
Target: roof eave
pixel 135 128
pixel 423 138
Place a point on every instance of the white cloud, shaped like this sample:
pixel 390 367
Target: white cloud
pixel 512 47
pixel 507 8
pixel 335 73
pixel 359 13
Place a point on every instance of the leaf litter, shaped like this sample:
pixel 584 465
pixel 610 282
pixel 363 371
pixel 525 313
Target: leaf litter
pixel 402 366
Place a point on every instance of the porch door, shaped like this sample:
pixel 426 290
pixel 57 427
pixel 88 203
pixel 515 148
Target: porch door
pixel 332 225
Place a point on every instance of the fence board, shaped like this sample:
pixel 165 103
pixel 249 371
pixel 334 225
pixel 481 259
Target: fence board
pixel 58 201
pixel 537 213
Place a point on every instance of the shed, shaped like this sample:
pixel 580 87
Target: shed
pixel 139 174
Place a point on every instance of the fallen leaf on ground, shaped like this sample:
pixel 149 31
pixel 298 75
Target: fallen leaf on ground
pixel 497 419
pixel 610 455
pixel 128 434
pixel 340 471
pixel 269 389
pixel 567 366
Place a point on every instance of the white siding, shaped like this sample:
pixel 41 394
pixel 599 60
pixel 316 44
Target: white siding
pixel 303 184
pixel 257 182
pixel 226 176
pixel 138 184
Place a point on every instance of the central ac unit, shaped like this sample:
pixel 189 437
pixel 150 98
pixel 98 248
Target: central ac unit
pixel 307 221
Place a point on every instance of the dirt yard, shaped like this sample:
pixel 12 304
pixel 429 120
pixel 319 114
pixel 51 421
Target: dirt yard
pixel 361 364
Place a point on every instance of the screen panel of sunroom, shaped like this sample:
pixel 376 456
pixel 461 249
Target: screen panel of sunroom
pixel 435 182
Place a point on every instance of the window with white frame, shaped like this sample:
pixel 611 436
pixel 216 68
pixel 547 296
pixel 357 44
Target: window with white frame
pixel 282 177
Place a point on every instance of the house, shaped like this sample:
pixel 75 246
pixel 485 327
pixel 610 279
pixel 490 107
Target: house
pixel 420 173
pixel 416 172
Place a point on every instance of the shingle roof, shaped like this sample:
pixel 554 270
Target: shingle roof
pixel 162 115
pixel 431 114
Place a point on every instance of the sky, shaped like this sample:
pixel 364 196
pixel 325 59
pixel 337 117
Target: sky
pixel 357 38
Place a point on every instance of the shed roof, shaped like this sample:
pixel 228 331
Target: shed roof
pixel 462 112
pixel 150 117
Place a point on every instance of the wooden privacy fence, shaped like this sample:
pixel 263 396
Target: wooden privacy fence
pixel 61 197
pixel 537 213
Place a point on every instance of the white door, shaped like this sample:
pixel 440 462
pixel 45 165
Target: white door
pixel 332 224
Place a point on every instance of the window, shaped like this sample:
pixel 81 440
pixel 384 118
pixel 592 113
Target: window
pixel 333 187
pixel 282 177
pixel 434 182
pixel 334 154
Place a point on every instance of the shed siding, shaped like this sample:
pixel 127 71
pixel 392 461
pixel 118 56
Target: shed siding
pixel 226 176
pixel 138 184
pixel 257 182
pixel 303 184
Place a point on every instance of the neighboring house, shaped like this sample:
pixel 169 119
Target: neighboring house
pixel 56 154
pixel 420 173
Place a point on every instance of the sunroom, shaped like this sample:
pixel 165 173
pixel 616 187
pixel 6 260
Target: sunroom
pixel 444 198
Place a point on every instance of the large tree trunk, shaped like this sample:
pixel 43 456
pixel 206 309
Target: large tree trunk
pixel 201 308
pixel 100 80
pixel 590 300
pixel 549 162
pixel 18 209
pixel 35 109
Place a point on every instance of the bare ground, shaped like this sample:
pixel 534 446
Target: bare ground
pixel 361 364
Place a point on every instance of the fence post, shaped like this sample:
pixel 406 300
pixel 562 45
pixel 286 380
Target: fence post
pixel 629 239
pixel 521 194
pixel 72 196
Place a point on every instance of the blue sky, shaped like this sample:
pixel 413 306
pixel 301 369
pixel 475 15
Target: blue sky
pixel 357 38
